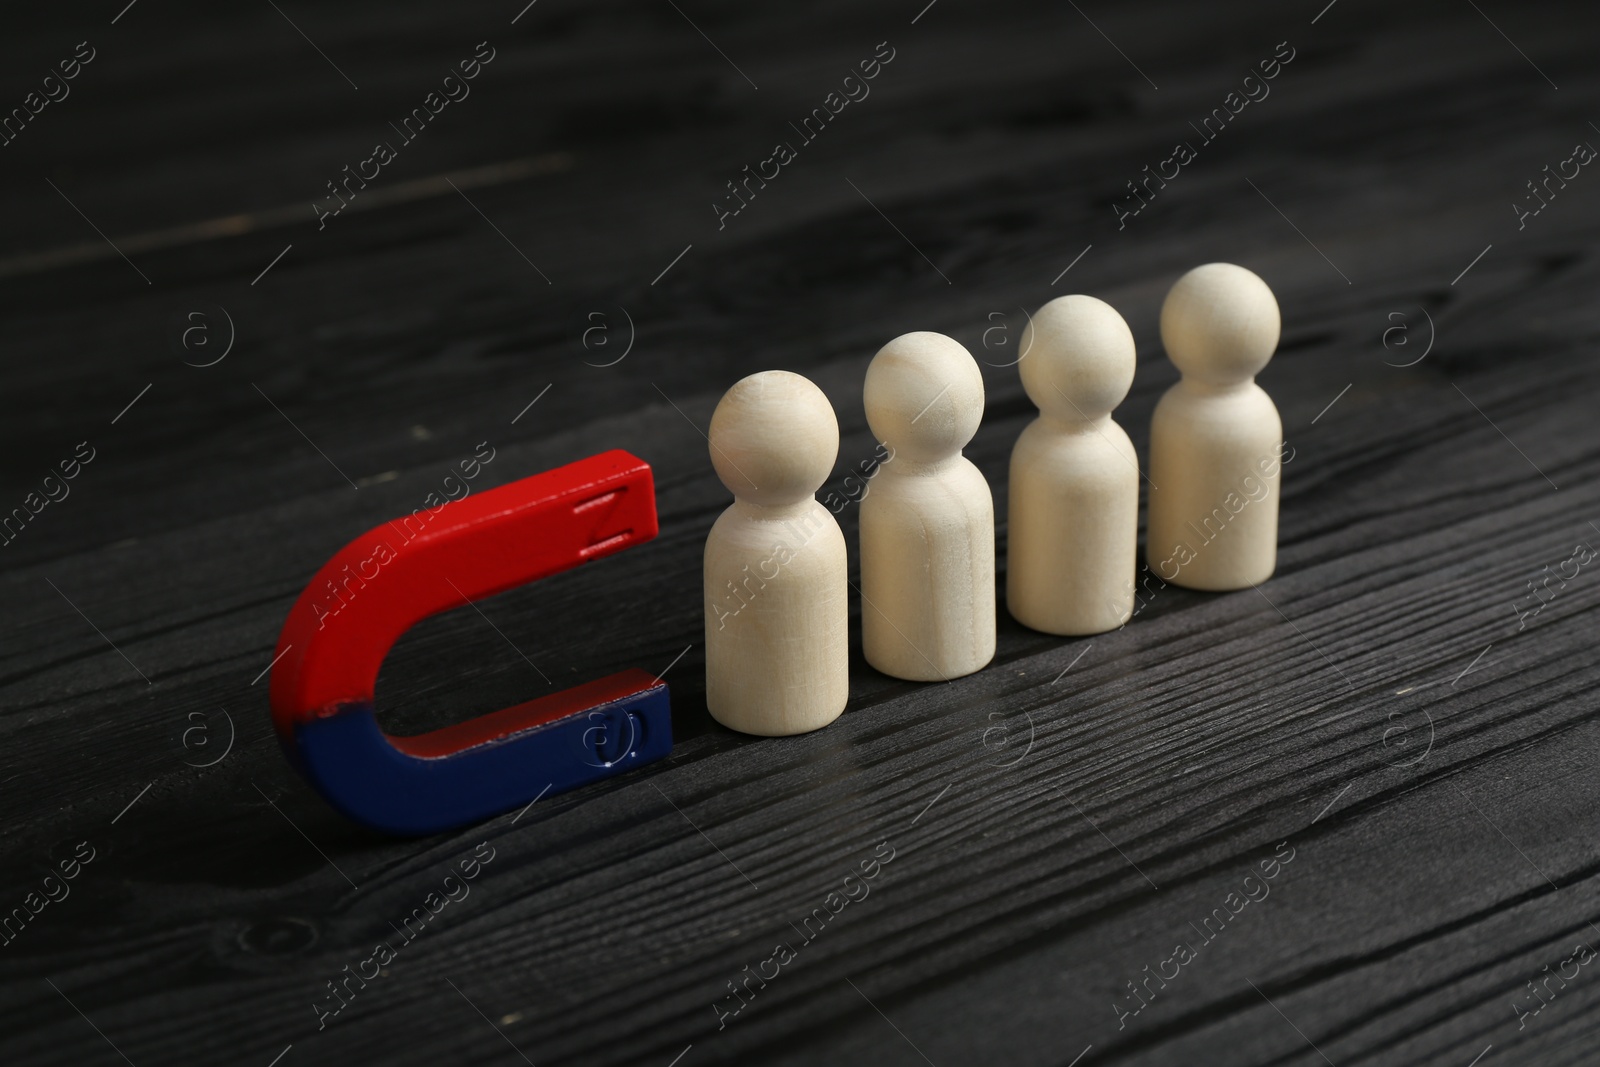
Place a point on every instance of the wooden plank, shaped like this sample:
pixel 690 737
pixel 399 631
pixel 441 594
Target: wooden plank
pixel 1058 820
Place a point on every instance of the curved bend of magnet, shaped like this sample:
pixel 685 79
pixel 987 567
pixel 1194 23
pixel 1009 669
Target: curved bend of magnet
pixel 434 560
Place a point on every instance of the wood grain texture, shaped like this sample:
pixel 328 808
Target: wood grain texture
pixel 1385 704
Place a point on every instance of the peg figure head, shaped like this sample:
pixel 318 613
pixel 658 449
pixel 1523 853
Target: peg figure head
pixel 1077 359
pixel 1220 324
pixel 773 438
pixel 924 396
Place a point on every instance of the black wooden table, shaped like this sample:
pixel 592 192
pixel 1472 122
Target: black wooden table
pixel 1348 817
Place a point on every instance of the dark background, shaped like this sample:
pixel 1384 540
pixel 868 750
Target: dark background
pixel 1375 704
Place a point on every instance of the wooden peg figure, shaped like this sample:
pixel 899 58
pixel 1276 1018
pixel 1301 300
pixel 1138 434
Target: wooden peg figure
pixel 1073 524
pixel 1216 439
pixel 927 520
pixel 777 613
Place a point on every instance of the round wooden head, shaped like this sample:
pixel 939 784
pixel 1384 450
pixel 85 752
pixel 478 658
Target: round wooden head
pixel 1077 359
pixel 1220 324
pixel 923 396
pixel 773 438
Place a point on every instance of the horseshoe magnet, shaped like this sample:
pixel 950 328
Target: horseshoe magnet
pixel 397 574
